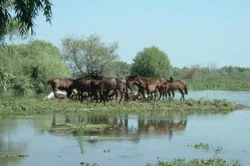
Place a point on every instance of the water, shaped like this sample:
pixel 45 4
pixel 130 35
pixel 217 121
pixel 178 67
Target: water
pixel 159 138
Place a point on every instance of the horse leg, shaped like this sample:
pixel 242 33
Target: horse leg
pixel 169 93
pixel 116 94
pixel 161 95
pixel 106 95
pixel 173 94
pixel 121 93
pixel 155 95
pixel 102 96
pixel 182 94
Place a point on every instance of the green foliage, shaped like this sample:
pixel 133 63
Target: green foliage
pixel 214 160
pixel 87 54
pixel 25 14
pixel 122 69
pixel 151 62
pixel 20 60
pixel 5 79
pixel 220 83
pixel 210 78
pixel 22 106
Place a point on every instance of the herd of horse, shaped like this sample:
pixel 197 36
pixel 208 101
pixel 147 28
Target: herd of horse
pixel 103 89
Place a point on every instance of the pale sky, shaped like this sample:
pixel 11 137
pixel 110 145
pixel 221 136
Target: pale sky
pixel 191 32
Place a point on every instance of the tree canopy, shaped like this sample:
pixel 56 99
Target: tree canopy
pixel 21 60
pixel 151 62
pixel 87 54
pixel 25 12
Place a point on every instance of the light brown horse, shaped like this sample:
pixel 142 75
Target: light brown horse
pixel 178 85
pixel 155 85
pixel 65 84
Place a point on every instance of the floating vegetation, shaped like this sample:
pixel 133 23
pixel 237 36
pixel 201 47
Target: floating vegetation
pixel 213 160
pixel 14 156
pixel 19 106
pixel 78 128
pixel 88 164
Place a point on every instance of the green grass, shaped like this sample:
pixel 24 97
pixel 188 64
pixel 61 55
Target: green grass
pixel 22 106
pixel 220 83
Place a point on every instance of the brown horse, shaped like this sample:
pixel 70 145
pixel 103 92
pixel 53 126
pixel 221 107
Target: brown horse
pixel 178 85
pixel 86 85
pixel 155 85
pixel 112 83
pixel 140 82
pixel 65 84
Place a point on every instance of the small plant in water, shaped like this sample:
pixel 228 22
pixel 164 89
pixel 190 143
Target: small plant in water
pixel 200 146
pixel 106 151
pixel 212 161
pixel 88 164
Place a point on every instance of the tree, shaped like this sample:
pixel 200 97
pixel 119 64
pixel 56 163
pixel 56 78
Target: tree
pixel 122 68
pixel 87 54
pixel 151 62
pixel 25 14
pixel 21 60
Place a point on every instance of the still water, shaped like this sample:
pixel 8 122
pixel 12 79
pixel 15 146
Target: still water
pixel 133 140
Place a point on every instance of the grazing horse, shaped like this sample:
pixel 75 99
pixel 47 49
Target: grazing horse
pixel 65 84
pixel 178 85
pixel 112 83
pixel 140 82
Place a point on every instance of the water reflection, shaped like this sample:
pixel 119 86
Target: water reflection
pixel 8 145
pixel 125 126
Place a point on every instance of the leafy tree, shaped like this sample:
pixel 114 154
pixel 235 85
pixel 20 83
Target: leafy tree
pixel 21 60
pixel 25 14
pixel 151 62
pixel 87 54
pixel 122 69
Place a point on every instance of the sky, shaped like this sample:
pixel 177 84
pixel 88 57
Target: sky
pixel 204 32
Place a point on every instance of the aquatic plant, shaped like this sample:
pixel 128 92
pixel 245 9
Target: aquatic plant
pixel 213 160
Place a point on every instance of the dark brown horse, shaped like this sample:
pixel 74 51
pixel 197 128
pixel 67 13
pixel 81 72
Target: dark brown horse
pixel 65 84
pixel 112 83
pixel 86 85
pixel 178 85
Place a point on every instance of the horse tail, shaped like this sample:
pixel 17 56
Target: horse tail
pixel 185 89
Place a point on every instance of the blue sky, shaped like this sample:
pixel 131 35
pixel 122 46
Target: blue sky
pixel 204 32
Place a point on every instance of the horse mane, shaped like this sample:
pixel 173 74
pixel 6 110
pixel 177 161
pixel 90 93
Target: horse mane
pixel 171 78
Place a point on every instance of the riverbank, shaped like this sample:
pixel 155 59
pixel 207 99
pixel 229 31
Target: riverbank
pixel 20 106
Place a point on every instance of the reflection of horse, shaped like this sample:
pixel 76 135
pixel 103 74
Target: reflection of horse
pixel 62 84
pixel 162 126
pixel 178 85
